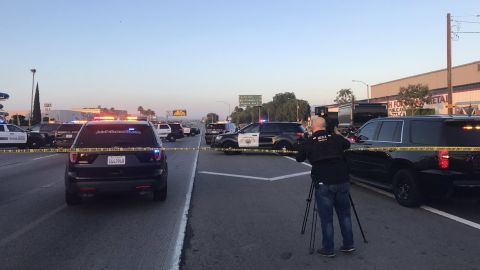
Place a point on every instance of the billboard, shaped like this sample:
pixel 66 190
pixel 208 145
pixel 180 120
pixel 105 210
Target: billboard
pixel 249 100
pixel 179 113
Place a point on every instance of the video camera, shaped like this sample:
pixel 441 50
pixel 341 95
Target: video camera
pixel 330 119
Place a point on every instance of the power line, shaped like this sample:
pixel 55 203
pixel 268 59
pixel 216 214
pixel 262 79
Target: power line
pixel 458 21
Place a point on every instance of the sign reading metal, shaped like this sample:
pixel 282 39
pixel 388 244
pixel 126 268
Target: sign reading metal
pixel 249 100
pixel 179 113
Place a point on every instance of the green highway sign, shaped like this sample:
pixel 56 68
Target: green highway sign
pixel 249 100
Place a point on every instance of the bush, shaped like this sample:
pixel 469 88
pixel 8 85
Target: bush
pixel 422 111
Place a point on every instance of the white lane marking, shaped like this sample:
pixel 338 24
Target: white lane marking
pixel 256 177
pixel 177 253
pixel 37 158
pixel 452 217
pixel 424 207
pixel 289 176
pixel 30 226
pixel 236 175
pixel 304 163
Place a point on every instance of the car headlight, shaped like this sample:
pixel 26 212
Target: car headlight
pixel 218 138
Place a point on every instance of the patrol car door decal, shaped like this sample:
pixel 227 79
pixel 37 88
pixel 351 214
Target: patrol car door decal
pixel 248 139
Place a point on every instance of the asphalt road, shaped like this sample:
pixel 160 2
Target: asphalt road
pixel 38 231
pixel 247 210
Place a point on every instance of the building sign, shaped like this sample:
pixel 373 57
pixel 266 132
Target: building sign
pixel 179 113
pixel 249 100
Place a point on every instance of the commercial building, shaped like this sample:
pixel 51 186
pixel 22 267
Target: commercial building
pixel 466 90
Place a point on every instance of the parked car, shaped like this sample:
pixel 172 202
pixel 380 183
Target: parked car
pixel 216 129
pixel 48 131
pixel 163 130
pixel 66 134
pixel 12 136
pixel 270 135
pixel 176 132
pixel 413 176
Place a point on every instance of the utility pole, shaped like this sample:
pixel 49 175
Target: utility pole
pixel 449 65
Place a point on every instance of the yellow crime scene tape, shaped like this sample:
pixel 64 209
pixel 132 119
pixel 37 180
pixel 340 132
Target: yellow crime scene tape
pixel 141 149
pixel 246 150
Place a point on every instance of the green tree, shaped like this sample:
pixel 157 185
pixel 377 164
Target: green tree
pixel 18 120
pixel 37 114
pixel 141 110
pixel 344 96
pixel 414 97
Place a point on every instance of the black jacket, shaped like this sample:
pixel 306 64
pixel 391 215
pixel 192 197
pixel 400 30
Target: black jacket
pixel 326 154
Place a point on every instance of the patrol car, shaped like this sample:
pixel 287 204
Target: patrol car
pixel 89 173
pixel 269 135
pixel 12 136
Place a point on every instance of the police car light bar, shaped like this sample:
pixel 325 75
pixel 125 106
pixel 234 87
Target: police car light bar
pixel 104 118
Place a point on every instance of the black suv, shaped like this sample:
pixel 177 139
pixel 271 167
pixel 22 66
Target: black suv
pixel 66 134
pixel 215 129
pixel 414 176
pixel 270 135
pixel 176 133
pixel 89 173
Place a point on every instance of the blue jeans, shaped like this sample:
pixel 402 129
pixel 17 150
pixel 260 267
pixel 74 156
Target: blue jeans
pixel 327 198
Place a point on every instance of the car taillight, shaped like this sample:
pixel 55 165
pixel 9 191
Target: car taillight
pixel 443 159
pixel 157 154
pixel 74 157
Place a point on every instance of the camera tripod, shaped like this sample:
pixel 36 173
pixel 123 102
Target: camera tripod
pixel 315 218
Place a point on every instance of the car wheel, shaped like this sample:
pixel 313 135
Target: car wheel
pixel 72 198
pixel 171 139
pixel 406 188
pixel 284 146
pixel 160 195
pixel 229 145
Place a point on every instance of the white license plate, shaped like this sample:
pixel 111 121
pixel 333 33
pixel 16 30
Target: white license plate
pixel 69 136
pixel 116 160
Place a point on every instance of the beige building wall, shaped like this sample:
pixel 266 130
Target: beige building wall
pixel 461 75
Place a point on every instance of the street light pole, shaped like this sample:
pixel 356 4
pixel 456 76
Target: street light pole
pixel 368 92
pixel 31 99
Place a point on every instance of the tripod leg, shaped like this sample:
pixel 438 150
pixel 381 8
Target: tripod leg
pixel 307 209
pixel 358 220
pixel 313 234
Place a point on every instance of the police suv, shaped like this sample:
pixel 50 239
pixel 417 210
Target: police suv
pixel 269 135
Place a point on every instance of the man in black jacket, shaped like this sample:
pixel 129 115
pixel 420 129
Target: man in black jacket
pixel 330 175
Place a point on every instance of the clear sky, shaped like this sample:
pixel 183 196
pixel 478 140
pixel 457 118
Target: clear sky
pixel 173 54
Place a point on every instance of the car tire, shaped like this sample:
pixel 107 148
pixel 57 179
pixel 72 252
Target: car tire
pixel 171 139
pixel 283 145
pixel 406 188
pixel 160 195
pixel 229 145
pixel 72 198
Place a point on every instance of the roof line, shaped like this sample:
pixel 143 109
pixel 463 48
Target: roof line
pixel 422 74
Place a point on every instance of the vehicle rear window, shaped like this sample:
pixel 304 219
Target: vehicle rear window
pixel 175 127
pixel 292 128
pixel 117 136
pixel 462 133
pixel 216 126
pixel 270 128
pixel 164 126
pixel 390 131
pixel 70 127
pixel 426 132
